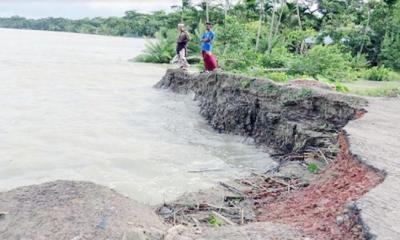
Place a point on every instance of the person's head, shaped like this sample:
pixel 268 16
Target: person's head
pixel 181 27
pixel 208 26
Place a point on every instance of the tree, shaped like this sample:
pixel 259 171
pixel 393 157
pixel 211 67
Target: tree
pixel 260 24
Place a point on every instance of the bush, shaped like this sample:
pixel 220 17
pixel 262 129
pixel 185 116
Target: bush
pixel 377 74
pixel 162 50
pixel 278 58
pixel 327 61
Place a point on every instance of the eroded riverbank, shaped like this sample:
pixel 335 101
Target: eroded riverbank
pixel 303 126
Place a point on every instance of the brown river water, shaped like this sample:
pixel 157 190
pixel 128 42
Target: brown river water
pixel 74 107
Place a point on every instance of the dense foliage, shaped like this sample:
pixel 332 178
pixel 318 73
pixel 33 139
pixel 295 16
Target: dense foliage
pixel 336 41
pixel 329 40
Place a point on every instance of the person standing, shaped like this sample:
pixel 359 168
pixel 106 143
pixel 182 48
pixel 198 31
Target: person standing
pixel 210 61
pixel 181 46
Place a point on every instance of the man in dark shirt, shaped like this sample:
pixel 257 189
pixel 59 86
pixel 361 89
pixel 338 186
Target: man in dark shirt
pixel 181 46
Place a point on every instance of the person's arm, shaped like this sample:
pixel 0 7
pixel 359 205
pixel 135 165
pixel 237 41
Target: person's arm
pixel 187 38
pixel 211 37
pixel 205 38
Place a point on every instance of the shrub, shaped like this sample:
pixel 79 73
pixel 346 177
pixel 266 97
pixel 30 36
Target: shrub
pixel 377 74
pixel 327 61
pixel 162 50
pixel 278 58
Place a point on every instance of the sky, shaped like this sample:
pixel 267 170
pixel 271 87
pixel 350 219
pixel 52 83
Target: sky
pixel 80 8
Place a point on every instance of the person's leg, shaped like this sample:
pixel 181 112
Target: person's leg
pixel 203 54
pixel 206 59
pixel 183 61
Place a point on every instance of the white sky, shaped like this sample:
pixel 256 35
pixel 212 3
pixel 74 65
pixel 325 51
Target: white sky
pixel 80 8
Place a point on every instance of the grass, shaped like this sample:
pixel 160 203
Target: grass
pixel 313 168
pixel 214 221
pixel 375 89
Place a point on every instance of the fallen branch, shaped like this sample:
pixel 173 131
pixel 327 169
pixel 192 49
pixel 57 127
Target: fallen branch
pixel 231 188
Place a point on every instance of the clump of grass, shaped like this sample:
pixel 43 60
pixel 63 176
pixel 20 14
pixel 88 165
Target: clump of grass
pixel 271 89
pixel 340 87
pixel 297 96
pixel 313 168
pixel 245 84
pixel 278 76
pixel 214 221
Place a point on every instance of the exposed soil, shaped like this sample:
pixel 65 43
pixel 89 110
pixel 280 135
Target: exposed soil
pixel 75 210
pixel 326 209
pixel 302 127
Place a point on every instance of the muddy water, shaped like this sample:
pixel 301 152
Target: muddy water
pixel 73 107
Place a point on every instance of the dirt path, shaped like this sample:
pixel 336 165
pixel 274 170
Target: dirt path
pixel 375 138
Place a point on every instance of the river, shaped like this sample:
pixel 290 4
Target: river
pixel 74 107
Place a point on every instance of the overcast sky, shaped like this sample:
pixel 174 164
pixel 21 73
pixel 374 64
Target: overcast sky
pixel 79 8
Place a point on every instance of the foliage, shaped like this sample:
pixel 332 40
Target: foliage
pixel 160 51
pixel 327 61
pixel 278 76
pixel 377 74
pixel 292 98
pixel 312 167
pixel 340 87
pixel 216 222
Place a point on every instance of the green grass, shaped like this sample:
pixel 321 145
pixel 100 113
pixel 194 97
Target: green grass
pixel 375 89
pixel 214 221
pixel 312 167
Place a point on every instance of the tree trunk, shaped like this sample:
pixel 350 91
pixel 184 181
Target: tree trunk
pixel 298 15
pixel 280 17
pixel 271 28
pixel 260 24
pixel 364 35
pixel 207 11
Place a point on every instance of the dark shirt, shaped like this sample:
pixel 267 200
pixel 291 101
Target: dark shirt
pixel 182 41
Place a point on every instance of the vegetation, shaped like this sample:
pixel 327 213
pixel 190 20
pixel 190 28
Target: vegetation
pixel 333 41
pixel 214 221
pixel 313 168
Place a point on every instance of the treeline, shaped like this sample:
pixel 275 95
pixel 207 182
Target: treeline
pixel 133 24
pixel 337 40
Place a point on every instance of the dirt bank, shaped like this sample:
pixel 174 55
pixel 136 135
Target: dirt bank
pixel 303 127
pixel 74 210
